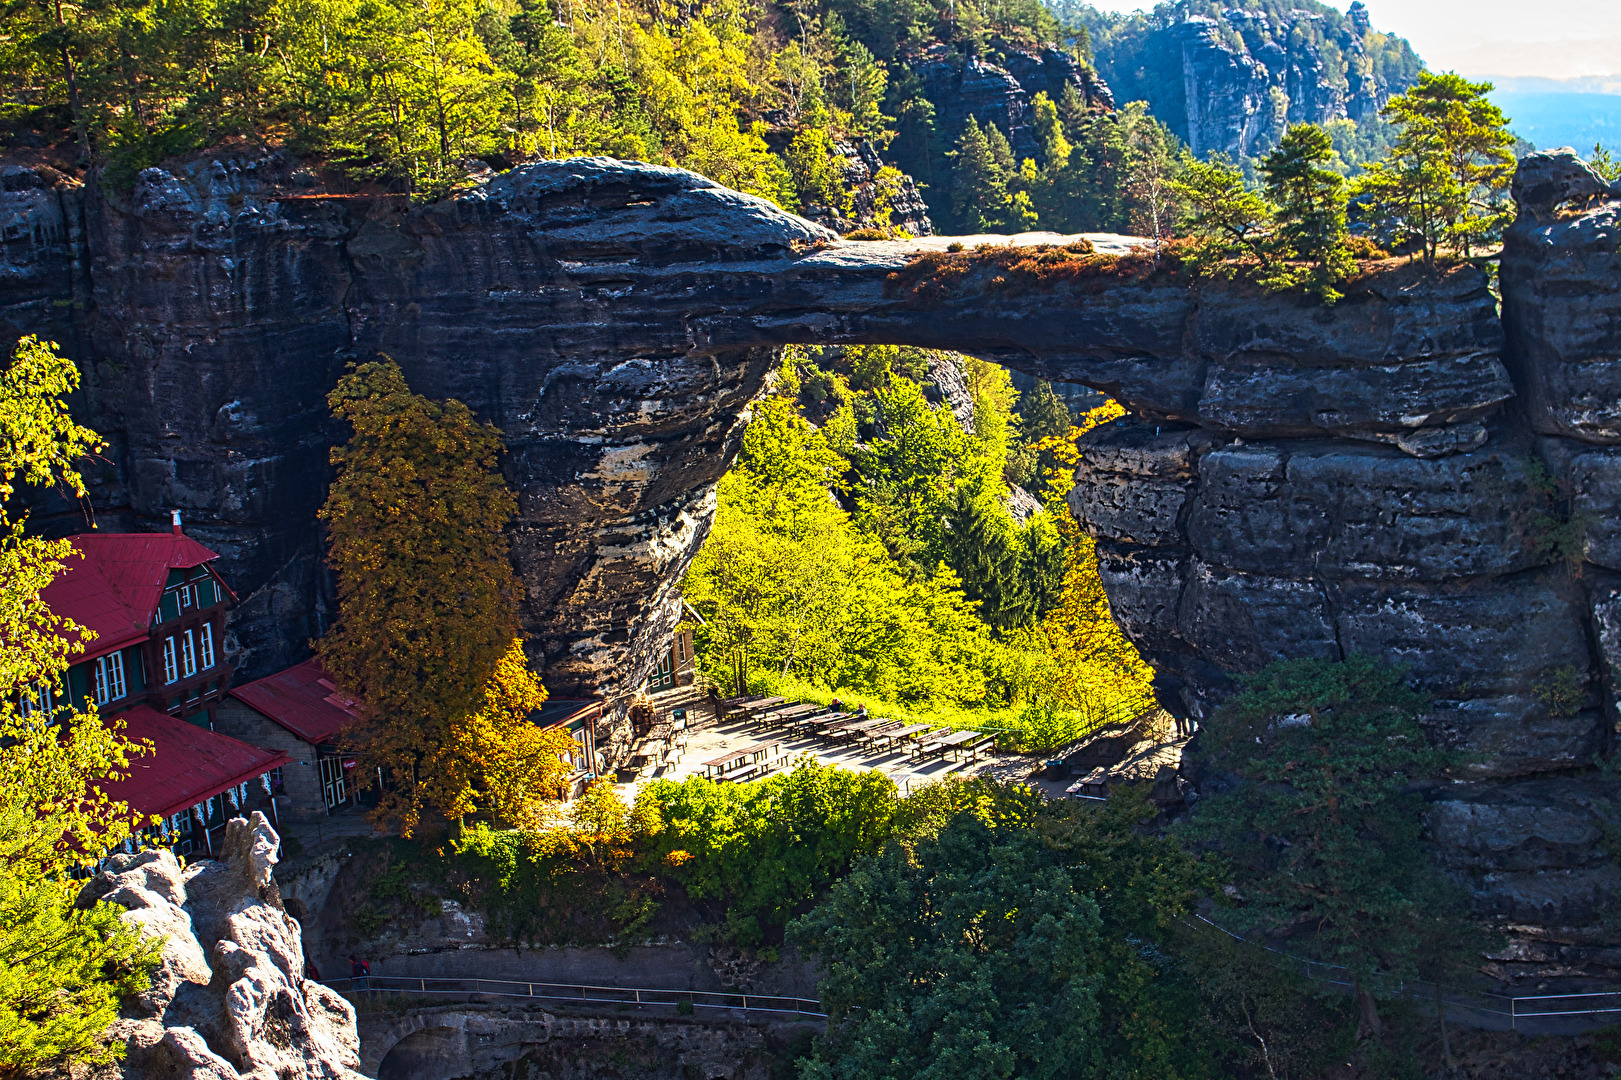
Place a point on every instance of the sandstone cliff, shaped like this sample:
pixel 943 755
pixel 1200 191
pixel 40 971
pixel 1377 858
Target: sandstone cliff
pixel 1392 475
pixel 1232 82
pixel 229 1000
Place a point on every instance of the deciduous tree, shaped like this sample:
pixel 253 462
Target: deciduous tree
pixel 63 969
pixel 427 601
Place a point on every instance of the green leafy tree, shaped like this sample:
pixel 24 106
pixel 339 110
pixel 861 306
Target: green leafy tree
pixel 1445 183
pixel 427 601
pixel 766 849
pixel 63 968
pixel 1310 198
pixel 1325 829
pixel 1026 949
pixel 818 170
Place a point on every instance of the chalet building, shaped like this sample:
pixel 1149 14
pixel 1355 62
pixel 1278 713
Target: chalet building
pixel 158 611
pixel 578 717
pixel 300 713
pixel 677 665
pixel 195 780
pixel 157 663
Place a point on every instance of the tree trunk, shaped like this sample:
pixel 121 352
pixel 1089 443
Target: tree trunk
pixel 1369 1025
pixel 1441 1019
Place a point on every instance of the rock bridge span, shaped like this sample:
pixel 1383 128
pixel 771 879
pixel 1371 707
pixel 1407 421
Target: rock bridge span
pixel 1405 473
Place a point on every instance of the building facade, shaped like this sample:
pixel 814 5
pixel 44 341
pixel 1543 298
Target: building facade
pixel 157 667
pixel 300 713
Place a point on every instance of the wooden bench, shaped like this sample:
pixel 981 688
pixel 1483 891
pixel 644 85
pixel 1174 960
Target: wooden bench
pixel 895 738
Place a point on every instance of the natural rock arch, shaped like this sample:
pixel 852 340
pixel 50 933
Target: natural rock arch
pixel 1297 479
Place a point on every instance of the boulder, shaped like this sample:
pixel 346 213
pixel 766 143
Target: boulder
pixel 229 999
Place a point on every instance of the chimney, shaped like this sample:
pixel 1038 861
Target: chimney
pixel 174 518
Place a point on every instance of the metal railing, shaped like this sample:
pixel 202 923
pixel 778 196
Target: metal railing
pixel 1514 1009
pixel 579 994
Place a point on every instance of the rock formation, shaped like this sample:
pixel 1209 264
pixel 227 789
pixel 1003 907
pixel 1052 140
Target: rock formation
pixel 1232 82
pixel 1391 474
pixel 1000 94
pixel 229 1000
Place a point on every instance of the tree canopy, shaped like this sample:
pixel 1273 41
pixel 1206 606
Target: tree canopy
pixel 426 637
pixel 64 969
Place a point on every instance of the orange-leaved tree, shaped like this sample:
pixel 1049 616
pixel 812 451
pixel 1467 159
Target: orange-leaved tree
pixel 496 762
pixel 427 600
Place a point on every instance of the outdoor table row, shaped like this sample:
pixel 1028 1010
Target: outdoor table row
pixel 745 762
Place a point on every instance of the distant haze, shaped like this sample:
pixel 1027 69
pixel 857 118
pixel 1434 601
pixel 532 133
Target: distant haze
pixel 1555 39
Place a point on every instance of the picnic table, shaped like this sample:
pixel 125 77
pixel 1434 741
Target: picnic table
pixel 853 729
pixel 894 737
pixel 974 748
pixel 943 743
pixel 886 728
pixel 788 713
pixel 1094 785
pixel 743 762
pixel 819 724
pixel 760 705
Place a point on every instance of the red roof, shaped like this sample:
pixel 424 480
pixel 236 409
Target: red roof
pixel 302 699
pixel 191 763
pixel 114 582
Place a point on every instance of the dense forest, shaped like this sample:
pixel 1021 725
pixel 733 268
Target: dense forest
pixel 762 95
pixel 914 585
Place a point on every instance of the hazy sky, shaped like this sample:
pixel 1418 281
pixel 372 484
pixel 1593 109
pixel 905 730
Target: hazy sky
pixel 1551 38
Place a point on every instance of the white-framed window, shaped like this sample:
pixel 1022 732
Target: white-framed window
pixel 36 699
pixel 110 678
pixel 208 645
pixel 188 653
pixel 188 596
pixel 171 665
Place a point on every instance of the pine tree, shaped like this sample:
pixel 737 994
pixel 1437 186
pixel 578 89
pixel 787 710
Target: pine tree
pixel 1446 180
pixel 1326 826
pixel 1310 200
pixel 427 601
pixel 979 184
pixel 985 553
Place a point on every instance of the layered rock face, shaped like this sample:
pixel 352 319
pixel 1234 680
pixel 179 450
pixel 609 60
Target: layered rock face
pixel 229 1000
pixel 1000 95
pixel 1233 82
pixel 1478 552
pixel 1390 475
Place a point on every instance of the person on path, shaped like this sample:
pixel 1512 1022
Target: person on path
pixel 359 972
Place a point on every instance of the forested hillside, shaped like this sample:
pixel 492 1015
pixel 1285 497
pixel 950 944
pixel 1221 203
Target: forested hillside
pixel 873 544
pixel 995 110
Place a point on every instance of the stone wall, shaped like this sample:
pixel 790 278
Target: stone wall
pixel 484 1042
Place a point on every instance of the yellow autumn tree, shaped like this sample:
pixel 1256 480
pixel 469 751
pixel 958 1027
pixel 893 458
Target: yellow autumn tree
pixel 63 968
pixel 1093 666
pixel 427 601
pixel 497 762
